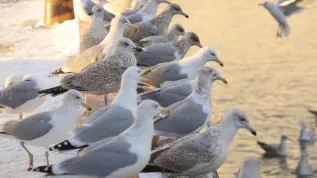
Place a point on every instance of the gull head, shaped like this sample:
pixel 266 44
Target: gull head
pixel 122 22
pixel 193 39
pixel 13 79
pixel 76 98
pixel 34 79
pixel 209 74
pixel 97 11
pixel 178 29
pixel 176 9
pixel 209 54
pixel 163 1
pixel 133 74
pixel 216 75
pixel 284 137
pixel 265 4
pixel 127 45
pixel 152 108
pixel 239 118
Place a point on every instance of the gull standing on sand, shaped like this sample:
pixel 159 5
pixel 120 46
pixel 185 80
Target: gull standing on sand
pixel 46 128
pixel 84 8
pixel 172 36
pixel 275 150
pixel 193 113
pixel 123 156
pixel 96 32
pixel 147 12
pixel 109 121
pixel 106 48
pixel 249 169
pixel 156 26
pixel 200 153
pixel 280 11
pixel 303 167
pixel 101 77
pixel 182 70
pixel 167 52
pixel 170 94
pixel 22 97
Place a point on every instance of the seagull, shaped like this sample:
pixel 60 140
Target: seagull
pixel 84 8
pixel 101 77
pixel 147 12
pixel 106 48
pixel 46 128
pixel 305 136
pixel 280 11
pixel 200 153
pixel 167 52
pixel 193 113
pixel 12 80
pixel 170 94
pixel 249 169
pixel 172 36
pixel 109 121
pixel 156 26
pixel 21 97
pixel 122 156
pixel 303 167
pixel 182 70
pixel 96 32
pixel 275 150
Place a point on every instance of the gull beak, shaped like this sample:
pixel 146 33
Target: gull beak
pixel 199 45
pixel 134 27
pixel 219 62
pixel 90 13
pixel 165 112
pixel 146 71
pixel 184 14
pixel 146 80
pixel 138 49
pixel 223 80
pixel 252 130
pixel 86 106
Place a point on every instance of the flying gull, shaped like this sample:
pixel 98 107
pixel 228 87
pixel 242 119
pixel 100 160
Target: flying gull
pixel 200 153
pixel 156 26
pixel 168 52
pixel 275 150
pixel 46 128
pixel 183 70
pixel 123 156
pixel 172 36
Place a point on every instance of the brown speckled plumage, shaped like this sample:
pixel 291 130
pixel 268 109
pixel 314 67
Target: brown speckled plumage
pixel 184 44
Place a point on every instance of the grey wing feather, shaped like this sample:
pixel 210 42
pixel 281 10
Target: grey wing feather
pixel 292 8
pixel 187 113
pixel 94 116
pixel 29 128
pixel 18 94
pixel 135 18
pixel 156 54
pixel 163 73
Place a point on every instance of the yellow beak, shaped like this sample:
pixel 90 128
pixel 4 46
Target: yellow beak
pixel 223 80
pixel 87 106
pixel 134 27
pixel 220 62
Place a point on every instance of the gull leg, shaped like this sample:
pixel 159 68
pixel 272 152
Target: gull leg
pixel 30 155
pixel 155 139
pixel 20 116
pixel 85 97
pixel 46 156
pixel 106 99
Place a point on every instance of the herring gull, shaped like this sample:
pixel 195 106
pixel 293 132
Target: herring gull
pixel 275 150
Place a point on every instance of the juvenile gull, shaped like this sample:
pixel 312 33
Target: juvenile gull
pixel 156 26
pixel 183 70
pixel 22 97
pixel 46 128
pixel 84 8
pixel 275 150
pixel 249 169
pixel 280 11
pixel 106 48
pixel 12 80
pixel 194 112
pixel 147 12
pixel 101 77
pixel 167 52
pixel 109 121
pixel 123 156
pixel 96 32
pixel 172 36
pixel 303 167
pixel 170 94
pixel 200 153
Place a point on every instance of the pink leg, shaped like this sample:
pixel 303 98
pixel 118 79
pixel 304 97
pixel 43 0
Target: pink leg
pixel 20 116
pixel 46 156
pixel 30 156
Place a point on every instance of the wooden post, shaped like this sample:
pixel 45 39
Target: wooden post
pixel 58 11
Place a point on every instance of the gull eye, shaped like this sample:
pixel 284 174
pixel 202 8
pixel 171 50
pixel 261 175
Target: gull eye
pixel 177 8
pixel 156 106
pixel 126 44
pixel 181 30
pixel 99 10
pixel 242 119
pixel 213 54
pixel 77 97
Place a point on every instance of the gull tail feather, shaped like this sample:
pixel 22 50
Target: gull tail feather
pixel 65 146
pixel 284 30
pixel 53 91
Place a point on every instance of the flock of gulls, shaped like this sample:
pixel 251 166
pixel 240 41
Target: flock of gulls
pixel 159 120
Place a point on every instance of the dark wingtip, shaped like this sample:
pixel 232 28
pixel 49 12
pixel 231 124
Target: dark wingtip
pixel 64 146
pixel 45 169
